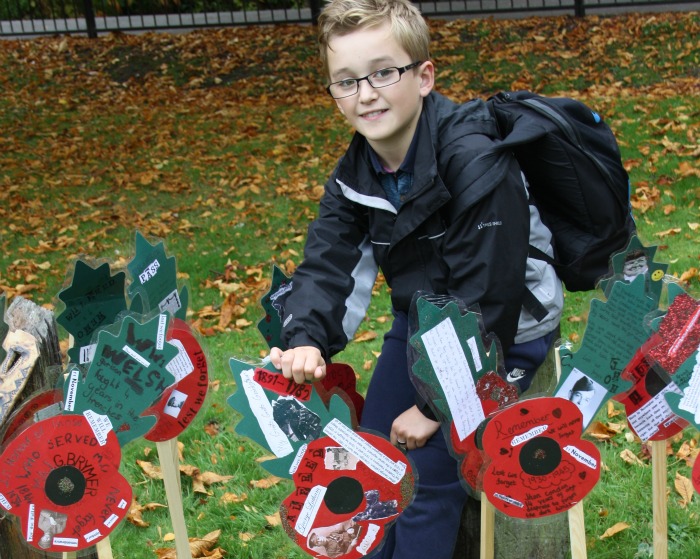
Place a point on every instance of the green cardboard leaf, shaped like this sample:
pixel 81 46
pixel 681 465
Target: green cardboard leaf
pixel 614 333
pixel 127 375
pixel 94 299
pixel 155 280
pixel 635 260
pixel 281 415
pixel 451 362
pixel 270 326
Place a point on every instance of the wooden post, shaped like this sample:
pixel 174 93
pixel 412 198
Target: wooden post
pixel 169 464
pixel 577 532
pixel 659 466
pixel 488 524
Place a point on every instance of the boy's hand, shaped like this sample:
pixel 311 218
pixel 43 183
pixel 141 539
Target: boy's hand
pixel 412 429
pixel 300 363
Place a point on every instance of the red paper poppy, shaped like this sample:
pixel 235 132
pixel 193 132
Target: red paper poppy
pixel 696 476
pixel 61 478
pixel 181 402
pixel 348 487
pixel 342 377
pixel 536 462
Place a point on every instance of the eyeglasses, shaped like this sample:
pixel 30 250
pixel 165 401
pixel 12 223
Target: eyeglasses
pixel 380 78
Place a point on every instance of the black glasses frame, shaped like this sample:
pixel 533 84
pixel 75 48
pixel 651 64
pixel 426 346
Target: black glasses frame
pixel 402 70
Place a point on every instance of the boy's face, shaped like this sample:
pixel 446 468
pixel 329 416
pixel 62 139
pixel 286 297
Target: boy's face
pixel 386 116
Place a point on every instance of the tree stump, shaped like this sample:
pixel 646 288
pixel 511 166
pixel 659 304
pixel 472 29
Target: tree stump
pixel 545 538
pixel 26 315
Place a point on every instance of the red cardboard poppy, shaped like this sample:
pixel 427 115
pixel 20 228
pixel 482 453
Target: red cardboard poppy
pixel 536 462
pixel 348 487
pixel 61 478
pixel 181 402
pixel 696 476
pixel 648 414
pixel 341 376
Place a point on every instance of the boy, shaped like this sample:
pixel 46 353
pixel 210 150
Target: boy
pixel 404 198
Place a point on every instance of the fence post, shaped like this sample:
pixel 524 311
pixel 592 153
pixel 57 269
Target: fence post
pixel 90 19
pixel 315 6
pixel 579 8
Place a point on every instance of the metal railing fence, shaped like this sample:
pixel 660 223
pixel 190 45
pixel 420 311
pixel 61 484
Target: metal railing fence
pixel 45 17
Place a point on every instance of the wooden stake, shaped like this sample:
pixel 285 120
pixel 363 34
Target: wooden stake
pixel 577 523
pixel 104 549
pixel 577 532
pixel 169 463
pixel 658 464
pixel 488 522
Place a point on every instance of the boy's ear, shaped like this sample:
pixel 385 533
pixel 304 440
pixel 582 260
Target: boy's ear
pixel 427 75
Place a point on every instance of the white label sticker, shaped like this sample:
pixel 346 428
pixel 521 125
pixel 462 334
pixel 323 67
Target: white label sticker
pixel 181 365
pixel 455 377
pixel 262 409
pixel 376 460
pixel 87 354
pixel 92 536
pixel 72 389
pixel 310 509
pixel 66 542
pixel 100 424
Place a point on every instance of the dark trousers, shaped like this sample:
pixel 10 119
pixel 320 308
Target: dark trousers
pixel 429 526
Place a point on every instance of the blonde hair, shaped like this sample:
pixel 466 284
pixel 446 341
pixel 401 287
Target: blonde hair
pixel 340 17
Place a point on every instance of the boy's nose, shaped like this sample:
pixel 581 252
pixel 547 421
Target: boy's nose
pixel 366 91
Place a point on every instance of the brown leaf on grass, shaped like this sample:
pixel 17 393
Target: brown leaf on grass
pixel 274 519
pixel 230 498
pixel 689 275
pixel 265 483
pixel 365 336
pixel 631 458
pixel 245 536
pixel 151 470
pixel 668 232
pixel 685 489
pixel 199 547
pixel 135 514
pixel 598 430
pixel 614 529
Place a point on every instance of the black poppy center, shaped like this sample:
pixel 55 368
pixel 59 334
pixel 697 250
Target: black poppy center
pixel 540 456
pixel 343 495
pixel 65 485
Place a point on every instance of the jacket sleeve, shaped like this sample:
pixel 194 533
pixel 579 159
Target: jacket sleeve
pixel 332 287
pixel 486 241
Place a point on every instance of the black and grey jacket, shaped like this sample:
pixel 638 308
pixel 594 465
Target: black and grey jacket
pixel 463 230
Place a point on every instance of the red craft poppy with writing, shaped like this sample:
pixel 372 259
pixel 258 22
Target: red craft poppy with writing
pixel 61 477
pixel 348 487
pixel 535 461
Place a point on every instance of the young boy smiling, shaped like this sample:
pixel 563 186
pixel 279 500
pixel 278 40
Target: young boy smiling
pixel 404 199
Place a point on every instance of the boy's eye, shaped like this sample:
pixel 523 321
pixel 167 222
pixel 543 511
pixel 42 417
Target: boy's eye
pixel 347 84
pixel 383 73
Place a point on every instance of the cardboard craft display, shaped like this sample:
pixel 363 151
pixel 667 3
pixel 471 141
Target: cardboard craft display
pixel 454 373
pixel 536 463
pixel 340 378
pixel 154 281
pixel 60 477
pixel 348 488
pixel 615 331
pixel 128 374
pixel 94 300
pixel 181 402
pixel 281 415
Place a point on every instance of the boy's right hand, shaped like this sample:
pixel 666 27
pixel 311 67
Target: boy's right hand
pixel 300 363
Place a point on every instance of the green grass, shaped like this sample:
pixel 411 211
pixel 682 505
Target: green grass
pixel 217 142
